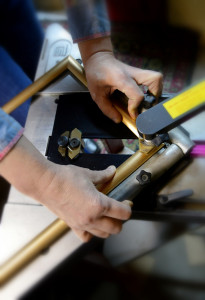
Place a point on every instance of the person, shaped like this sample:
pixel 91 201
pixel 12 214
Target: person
pixel 68 191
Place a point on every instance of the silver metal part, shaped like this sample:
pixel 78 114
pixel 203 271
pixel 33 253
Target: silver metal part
pixel 181 139
pixel 157 165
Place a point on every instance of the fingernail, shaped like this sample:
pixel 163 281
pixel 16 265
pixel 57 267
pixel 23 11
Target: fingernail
pixel 117 120
pixel 111 168
pixel 128 202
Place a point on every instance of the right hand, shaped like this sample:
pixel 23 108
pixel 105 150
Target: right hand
pixel 70 193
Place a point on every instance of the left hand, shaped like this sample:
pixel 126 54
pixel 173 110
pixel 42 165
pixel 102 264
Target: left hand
pixel 105 74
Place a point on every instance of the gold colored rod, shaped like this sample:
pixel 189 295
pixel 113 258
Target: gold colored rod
pixel 32 249
pixel 67 64
pixel 127 168
pixel 126 119
pixel 77 70
pixel 59 227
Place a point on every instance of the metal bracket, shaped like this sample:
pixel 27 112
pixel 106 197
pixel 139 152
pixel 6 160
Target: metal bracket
pixel 70 144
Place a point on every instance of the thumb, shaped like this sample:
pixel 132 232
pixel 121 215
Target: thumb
pixel 103 176
pixel 152 79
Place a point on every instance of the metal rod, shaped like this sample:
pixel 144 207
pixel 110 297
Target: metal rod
pixel 127 168
pixel 32 249
pixel 67 64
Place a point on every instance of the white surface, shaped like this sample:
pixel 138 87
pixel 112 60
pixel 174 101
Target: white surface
pixel 135 239
pixel 20 224
pixel 196 126
pixel 57 45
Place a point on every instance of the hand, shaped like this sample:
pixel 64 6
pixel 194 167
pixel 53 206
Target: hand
pixel 105 74
pixel 71 194
pixel 68 191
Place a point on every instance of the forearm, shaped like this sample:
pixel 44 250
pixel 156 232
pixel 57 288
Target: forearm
pixel 68 191
pixel 90 47
pixel 24 167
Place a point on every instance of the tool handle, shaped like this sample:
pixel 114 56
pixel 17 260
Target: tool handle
pixel 168 114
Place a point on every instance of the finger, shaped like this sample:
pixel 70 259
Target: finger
pixel 128 202
pixel 153 80
pixel 83 235
pixel 132 107
pixel 100 177
pixel 99 233
pixel 107 225
pixel 114 209
pixel 134 94
pixel 108 109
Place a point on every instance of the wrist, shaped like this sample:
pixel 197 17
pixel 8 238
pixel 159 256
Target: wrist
pixel 92 47
pixel 24 167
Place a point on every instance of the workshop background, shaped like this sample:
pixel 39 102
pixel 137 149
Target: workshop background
pixel 168 36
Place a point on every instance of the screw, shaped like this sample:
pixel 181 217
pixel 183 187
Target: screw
pixel 63 141
pixel 74 143
pixel 143 177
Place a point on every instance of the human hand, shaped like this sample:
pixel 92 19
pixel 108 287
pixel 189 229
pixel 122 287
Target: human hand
pixel 71 194
pixel 68 191
pixel 105 74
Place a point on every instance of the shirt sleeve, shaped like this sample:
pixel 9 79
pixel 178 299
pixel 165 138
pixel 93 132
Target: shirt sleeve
pixel 10 133
pixel 87 19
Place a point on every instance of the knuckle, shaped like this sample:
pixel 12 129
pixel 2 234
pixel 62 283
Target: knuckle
pixel 158 76
pixel 128 215
pixel 105 207
pixel 101 206
pixel 84 221
pixel 87 220
pixel 104 235
pixel 116 228
pixel 86 238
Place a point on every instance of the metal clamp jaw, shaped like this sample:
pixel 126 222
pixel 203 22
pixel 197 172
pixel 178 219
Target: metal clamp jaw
pixel 70 144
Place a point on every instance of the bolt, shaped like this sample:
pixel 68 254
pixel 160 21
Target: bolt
pixel 143 177
pixel 74 143
pixel 63 141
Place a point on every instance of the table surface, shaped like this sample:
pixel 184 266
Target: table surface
pixel 23 218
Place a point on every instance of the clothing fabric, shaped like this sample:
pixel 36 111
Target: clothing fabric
pixel 21 38
pixel 10 130
pixel 87 19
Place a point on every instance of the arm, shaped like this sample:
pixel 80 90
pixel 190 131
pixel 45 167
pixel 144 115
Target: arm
pixel 105 74
pixel 90 28
pixel 68 191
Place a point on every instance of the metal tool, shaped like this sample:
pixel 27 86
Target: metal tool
pixel 143 167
